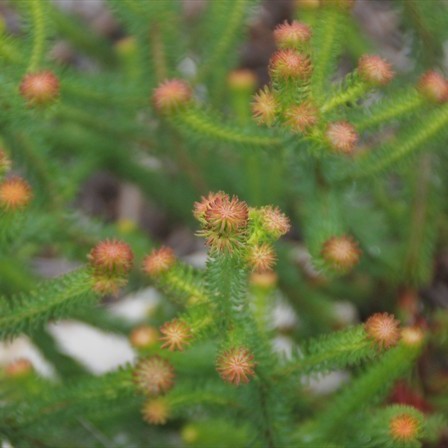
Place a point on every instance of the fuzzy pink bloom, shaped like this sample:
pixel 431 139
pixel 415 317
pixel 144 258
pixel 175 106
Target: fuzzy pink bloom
pixel 275 222
pixel 375 70
pixel 15 193
pixel 342 137
pixel 156 411
pixel 292 35
pixel 289 64
pixel 225 214
pixel 261 258
pixel 236 365
pixel 201 207
pixel 434 87
pixel 111 256
pixel 171 94
pixel 264 107
pixel 19 367
pixel 40 88
pixel 404 428
pixel 242 79
pixel 383 329
pixel 302 118
pixel 159 261
pixel 342 252
pixel 154 375
pixel 176 335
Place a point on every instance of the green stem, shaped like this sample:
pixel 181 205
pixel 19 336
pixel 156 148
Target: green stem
pixel 39 34
pixel 352 94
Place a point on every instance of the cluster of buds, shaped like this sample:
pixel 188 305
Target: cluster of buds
pixel 40 88
pixel 176 335
pixel 111 261
pixel 158 262
pixel 383 329
pixel 224 221
pixel 154 375
pixel 341 252
pixel 236 365
pixel 171 95
pixel 434 87
pixel 15 194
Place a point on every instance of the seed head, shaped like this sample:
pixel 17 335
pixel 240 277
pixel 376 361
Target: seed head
pixel 176 335
pixel 375 70
pixel 154 375
pixel 159 261
pixel 236 365
pixel 18 368
pixel 40 88
pixel 342 252
pixel 404 427
pixel 289 64
pixel 434 87
pixel 264 107
pixel 225 214
pixel 111 256
pixel 342 137
pixel 5 162
pixel 144 336
pixel 201 207
pixel 292 35
pixel 156 411
pixel 171 95
pixel 302 118
pixel 242 80
pixel 261 257
pixel 412 336
pixel 383 329
pixel 15 193
pixel 275 222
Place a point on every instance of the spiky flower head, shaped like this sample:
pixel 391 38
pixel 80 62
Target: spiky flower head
pixel 434 87
pixel 261 257
pixel 107 283
pixel 159 261
pixel 341 252
pixel 154 375
pixel 15 193
pixel 292 35
pixel 242 79
pixel 375 70
pixel 226 214
pixel 404 427
pixel 176 335
pixel 201 207
pixel 5 162
pixel 156 411
pixel 111 256
pixel 412 336
pixel 289 64
pixel 383 329
pixel 40 88
pixel 342 137
pixel 274 221
pixel 264 107
pixel 302 118
pixel 171 94
pixel 19 367
pixel 144 336
pixel 236 365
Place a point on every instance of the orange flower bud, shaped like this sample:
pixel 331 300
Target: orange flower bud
pixel 159 261
pixel 144 336
pixel 176 335
pixel 375 70
pixel 292 35
pixel 261 257
pixel 274 221
pixel 40 88
pixel 15 193
pixel 264 107
pixel 154 375
pixel 302 118
pixel 111 256
pixel 201 207
pixel 242 80
pixel 236 365
pixel 404 428
pixel 412 336
pixel 107 283
pixel 342 137
pixel 225 214
pixel 171 95
pixel 156 411
pixel 341 252
pixel 383 329
pixel 289 64
pixel 434 87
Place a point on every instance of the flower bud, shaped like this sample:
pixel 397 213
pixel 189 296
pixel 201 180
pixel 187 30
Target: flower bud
pixel 40 88
pixel 302 118
pixel 375 70
pixel 292 35
pixel 242 80
pixel 261 257
pixel 171 95
pixel 159 261
pixel 342 137
pixel 274 221
pixel 144 336
pixel 18 368
pixel 341 252
pixel 200 208
pixel 5 162
pixel 383 329
pixel 404 428
pixel 176 335
pixel 412 336
pixel 15 193
pixel 264 107
pixel 225 214
pixel 236 365
pixel 156 411
pixel 434 87
pixel 112 257
pixel 154 375
pixel 289 64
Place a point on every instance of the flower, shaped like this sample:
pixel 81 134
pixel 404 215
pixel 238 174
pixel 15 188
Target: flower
pixel 412 336
pixel 274 221
pixel 111 256
pixel 434 87
pixel 264 107
pixel 342 137
pixel 261 257
pixel 404 427
pixel 171 95
pixel 200 207
pixel 375 70
pixel 289 64
pixel 19 367
pixel 159 261
pixel 144 336
pixel 242 80
pixel 176 334
pixel 156 411
pixel 236 365
pixel 302 117
pixel 225 214
pixel 383 329
pixel 40 88
pixel 342 252
pixel 154 375
pixel 15 193
pixel 291 35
